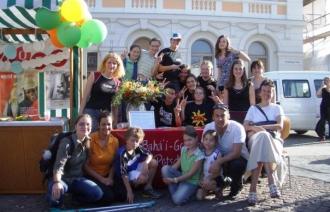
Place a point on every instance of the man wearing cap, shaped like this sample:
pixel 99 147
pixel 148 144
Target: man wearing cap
pixel 171 61
pixel 148 62
pixel 231 140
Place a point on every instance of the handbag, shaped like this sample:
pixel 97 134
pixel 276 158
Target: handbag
pixel 267 122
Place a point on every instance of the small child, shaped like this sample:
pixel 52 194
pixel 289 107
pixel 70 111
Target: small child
pixel 135 165
pixel 184 184
pixel 208 182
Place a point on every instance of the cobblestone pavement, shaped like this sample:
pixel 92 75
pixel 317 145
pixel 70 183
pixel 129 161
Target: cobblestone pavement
pixel 305 195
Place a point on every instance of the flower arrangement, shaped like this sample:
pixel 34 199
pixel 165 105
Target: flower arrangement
pixel 136 93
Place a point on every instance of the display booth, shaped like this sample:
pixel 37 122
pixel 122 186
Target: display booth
pixel 40 80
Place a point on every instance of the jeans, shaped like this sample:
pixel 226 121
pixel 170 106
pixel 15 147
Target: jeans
pixel 180 192
pixel 82 189
pixel 95 114
pixel 111 194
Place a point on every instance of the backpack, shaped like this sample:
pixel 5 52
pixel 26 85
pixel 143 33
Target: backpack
pixel 46 163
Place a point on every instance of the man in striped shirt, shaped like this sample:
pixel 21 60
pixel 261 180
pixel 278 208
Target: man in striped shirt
pixel 148 63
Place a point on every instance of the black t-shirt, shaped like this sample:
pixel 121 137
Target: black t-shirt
pixel 164 114
pixel 170 57
pixel 198 115
pixel 102 92
pixel 204 85
pixel 239 100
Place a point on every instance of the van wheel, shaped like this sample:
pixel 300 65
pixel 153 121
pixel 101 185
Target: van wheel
pixel 300 132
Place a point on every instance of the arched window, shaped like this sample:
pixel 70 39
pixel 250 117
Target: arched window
pixel 143 42
pixel 200 50
pixel 257 51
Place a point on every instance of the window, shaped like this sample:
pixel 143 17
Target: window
pixel 200 50
pixel 318 84
pixel 296 89
pixel 91 61
pixel 276 92
pixel 257 51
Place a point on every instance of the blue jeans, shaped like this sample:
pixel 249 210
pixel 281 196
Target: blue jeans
pixel 180 192
pixel 95 114
pixel 82 189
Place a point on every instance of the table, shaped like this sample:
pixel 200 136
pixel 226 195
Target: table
pixel 22 143
pixel 164 143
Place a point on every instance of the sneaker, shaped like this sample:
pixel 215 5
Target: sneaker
pixel 151 193
pixel 274 192
pixel 252 198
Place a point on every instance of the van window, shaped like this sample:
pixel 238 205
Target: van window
pixel 276 91
pixel 318 84
pixel 296 89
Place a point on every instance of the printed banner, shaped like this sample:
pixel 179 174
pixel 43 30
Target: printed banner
pixel 164 144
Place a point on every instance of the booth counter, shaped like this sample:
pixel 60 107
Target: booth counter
pixel 21 146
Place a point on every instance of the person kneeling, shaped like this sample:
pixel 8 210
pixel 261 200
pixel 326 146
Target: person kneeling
pixel 135 165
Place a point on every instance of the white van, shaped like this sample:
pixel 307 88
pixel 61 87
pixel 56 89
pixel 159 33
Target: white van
pixel 296 93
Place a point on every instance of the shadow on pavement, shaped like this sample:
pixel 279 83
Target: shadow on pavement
pixel 301 140
pixel 325 161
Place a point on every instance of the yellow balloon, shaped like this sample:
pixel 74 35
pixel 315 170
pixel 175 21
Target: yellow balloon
pixel 73 10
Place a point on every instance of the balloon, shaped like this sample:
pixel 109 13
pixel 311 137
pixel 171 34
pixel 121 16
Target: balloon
pixel 54 39
pixel 68 34
pixel 83 43
pixel 47 19
pixel 38 46
pixel 16 67
pixel 27 47
pixel 94 31
pixel 74 10
pixel 10 51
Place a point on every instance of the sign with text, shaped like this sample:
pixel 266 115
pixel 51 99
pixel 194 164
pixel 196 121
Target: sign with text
pixel 165 145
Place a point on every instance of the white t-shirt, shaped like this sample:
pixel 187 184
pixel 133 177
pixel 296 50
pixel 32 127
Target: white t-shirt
pixel 208 161
pixel 272 111
pixel 234 134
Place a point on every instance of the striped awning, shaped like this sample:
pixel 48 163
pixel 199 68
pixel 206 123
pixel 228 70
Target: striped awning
pixel 30 4
pixel 16 17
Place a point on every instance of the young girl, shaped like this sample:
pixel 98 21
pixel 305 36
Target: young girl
pixel 183 184
pixel 208 183
pixel 205 79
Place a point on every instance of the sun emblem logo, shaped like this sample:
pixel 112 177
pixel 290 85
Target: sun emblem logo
pixel 198 118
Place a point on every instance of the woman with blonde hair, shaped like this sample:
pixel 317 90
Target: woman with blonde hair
pixel 101 87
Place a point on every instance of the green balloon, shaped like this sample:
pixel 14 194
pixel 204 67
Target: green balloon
pixel 83 43
pixel 94 31
pixel 47 19
pixel 68 34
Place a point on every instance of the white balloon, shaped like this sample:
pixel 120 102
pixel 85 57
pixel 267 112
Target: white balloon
pixel 38 46
pixel 27 47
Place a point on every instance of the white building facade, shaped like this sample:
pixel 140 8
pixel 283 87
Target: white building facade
pixel 270 30
pixel 317 35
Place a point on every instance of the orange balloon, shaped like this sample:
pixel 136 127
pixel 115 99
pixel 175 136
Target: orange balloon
pixel 54 39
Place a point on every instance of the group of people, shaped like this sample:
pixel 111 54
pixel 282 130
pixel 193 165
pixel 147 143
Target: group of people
pixel 101 171
pixel 188 99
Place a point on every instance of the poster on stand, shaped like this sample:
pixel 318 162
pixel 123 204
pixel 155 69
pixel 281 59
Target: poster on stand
pixel 20 95
pixel 57 89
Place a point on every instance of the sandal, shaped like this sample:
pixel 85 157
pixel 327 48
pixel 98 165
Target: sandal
pixel 252 198
pixel 274 192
